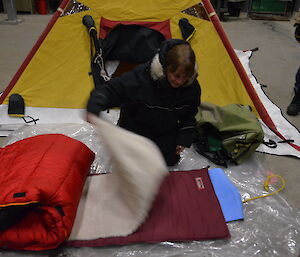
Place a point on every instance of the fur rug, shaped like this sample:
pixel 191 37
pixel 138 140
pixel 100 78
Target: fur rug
pixel 116 204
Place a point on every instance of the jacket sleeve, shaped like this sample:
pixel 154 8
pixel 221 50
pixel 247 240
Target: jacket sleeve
pixel 187 121
pixel 113 93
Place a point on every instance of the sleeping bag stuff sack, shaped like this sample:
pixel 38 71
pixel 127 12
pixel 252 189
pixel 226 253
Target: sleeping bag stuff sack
pixel 227 134
pixel 41 180
pixel 186 208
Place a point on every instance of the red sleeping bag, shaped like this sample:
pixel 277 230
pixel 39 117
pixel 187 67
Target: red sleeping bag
pixel 41 180
pixel 186 208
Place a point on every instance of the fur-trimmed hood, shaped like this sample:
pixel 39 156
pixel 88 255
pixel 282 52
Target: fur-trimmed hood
pixel 157 71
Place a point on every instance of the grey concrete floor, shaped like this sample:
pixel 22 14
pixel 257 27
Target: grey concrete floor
pixel 274 64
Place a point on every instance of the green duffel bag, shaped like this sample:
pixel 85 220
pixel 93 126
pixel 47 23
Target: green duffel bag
pixel 227 134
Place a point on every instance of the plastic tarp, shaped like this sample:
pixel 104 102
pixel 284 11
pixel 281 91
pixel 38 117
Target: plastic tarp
pixel 271 226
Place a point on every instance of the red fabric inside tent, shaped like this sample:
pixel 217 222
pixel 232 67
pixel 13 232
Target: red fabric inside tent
pixel 163 26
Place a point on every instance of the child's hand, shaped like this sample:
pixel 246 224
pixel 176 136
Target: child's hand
pixel 179 149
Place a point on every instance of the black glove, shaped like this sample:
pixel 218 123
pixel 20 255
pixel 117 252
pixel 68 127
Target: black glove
pixel 97 102
pixel 187 29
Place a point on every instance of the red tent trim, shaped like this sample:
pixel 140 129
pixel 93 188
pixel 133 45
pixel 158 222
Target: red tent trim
pixel 33 50
pixel 107 25
pixel 243 75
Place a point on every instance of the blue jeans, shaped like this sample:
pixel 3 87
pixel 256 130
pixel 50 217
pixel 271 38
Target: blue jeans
pixel 297 83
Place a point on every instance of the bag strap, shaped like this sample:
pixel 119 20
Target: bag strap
pixel 271 143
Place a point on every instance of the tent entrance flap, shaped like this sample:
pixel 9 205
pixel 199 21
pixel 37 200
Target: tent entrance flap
pixel 131 43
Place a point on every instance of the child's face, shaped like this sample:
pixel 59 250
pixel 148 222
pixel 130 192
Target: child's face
pixel 177 78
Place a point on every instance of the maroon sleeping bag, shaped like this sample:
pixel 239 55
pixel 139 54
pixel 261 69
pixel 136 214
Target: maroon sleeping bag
pixel 186 208
pixel 41 180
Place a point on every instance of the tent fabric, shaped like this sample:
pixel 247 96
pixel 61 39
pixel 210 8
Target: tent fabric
pixel 42 178
pixel 138 10
pixel 284 128
pixel 228 195
pixel 59 64
pixel 66 68
pixel 216 71
pixel 185 209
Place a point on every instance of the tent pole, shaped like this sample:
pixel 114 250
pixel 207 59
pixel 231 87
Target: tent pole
pixel 240 69
pixel 34 49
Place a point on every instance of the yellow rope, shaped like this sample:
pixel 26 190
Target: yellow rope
pixel 190 36
pixel 266 187
pixel 92 28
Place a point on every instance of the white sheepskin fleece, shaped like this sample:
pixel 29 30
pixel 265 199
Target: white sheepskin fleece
pixel 116 204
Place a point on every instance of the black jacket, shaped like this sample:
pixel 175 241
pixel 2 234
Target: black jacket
pixel 149 105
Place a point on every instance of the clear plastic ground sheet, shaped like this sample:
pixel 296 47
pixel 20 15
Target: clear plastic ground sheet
pixel 271 226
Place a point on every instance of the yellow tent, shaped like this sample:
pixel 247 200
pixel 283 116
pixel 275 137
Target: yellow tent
pixel 54 76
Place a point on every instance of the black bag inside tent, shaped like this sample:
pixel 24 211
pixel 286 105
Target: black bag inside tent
pixel 130 44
